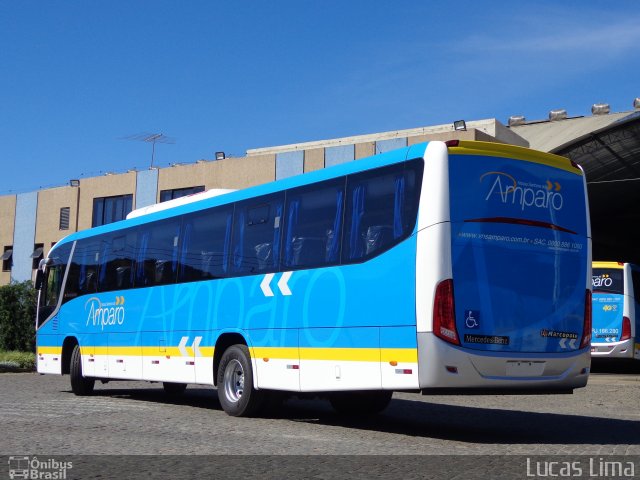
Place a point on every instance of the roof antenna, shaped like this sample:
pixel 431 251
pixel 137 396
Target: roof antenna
pixel 151 138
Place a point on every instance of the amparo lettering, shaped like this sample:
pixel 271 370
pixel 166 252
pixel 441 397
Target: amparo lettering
pixel 601 281
pixel 102 316
pixel 506 188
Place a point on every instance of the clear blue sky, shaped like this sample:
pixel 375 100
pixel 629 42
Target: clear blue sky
pixel 78 76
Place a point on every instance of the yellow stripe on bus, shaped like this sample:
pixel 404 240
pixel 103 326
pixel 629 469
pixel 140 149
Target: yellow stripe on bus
pixel 274 352
pixel 385 355
pixel 400 355
pixel 514 152
pixel 49 350
pixel 344 354
pixel 146 351
pixel 598 264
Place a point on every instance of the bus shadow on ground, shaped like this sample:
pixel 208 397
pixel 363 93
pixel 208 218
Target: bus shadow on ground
pixel 601 365
pixel 192 397
pixel 500 426
pixel 428 419
pixel 483 425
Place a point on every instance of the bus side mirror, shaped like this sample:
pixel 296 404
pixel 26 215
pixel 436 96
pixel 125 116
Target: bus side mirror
pixel 40 272
pixel 39 279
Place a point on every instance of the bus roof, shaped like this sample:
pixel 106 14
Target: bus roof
pixel 601 264
pixel 195 197
pixel 471 147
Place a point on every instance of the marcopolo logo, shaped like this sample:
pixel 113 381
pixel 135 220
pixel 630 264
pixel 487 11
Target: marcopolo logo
pixel 102 314
pixel 508 190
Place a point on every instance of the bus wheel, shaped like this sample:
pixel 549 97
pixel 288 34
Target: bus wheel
pixel 236 394
pixel 174 389
pixel 79 384
pixel 360 403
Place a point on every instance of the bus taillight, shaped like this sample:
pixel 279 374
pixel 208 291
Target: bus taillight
pixel 626 329
pixel 586 330
pixel 444 317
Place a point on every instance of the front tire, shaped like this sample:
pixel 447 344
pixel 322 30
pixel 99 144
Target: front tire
pixel 236 393
pixel 80 385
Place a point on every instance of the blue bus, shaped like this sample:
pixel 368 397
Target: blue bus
pixel 616 293
pixel 441 268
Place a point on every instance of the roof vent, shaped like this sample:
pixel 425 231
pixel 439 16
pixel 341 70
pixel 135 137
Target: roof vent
pixel 600 109
pixel 636 102
pixel 559 114
pixel 515 120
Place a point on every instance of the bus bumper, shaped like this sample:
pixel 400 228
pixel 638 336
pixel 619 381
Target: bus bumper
pixel 622 349
pixel 449 368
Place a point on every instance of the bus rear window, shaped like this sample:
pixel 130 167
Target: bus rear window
pixel 608 280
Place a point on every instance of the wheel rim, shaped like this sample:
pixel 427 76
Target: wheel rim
pixel 234 380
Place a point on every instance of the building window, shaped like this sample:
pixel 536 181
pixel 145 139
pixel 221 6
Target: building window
pixel 6 259
pixel 166 195
pixel 64 218
pixel 37 255
pixel 111 209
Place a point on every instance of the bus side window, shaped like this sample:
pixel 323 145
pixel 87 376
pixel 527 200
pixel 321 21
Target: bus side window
pixel 83 271
pixel 157 258
pixel 116 270
pixel 206 243
pixel 381 209
pixel 256 235
pixel 313 225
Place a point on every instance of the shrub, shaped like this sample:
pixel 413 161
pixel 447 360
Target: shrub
pixel 17 317
pixel 9 364
pixel 13 360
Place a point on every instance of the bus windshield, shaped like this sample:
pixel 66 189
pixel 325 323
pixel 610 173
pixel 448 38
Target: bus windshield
pixel 52 285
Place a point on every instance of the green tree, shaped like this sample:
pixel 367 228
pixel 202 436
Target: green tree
pixel 17 316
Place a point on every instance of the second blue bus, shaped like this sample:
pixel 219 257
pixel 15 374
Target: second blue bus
pixel 616 293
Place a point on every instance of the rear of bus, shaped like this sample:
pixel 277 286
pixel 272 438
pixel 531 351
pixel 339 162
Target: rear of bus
pixel 613 311
pixel 511 302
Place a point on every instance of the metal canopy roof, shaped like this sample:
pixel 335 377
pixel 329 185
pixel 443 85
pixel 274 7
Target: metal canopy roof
pixel 610 157
pixel 610 153
pixel 548 135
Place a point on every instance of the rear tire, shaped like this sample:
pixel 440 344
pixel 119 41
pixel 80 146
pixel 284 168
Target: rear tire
pixel 236 393
pixel 360 403
pixel 80 385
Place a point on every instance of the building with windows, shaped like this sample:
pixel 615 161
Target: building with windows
pixel 607 145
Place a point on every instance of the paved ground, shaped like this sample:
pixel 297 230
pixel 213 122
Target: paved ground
pixel 41 416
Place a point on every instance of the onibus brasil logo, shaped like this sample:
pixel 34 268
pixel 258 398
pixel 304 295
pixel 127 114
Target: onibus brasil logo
pixel 102 314
pixel 508 190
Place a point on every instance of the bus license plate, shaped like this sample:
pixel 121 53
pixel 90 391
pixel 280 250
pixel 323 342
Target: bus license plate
pixel 525 369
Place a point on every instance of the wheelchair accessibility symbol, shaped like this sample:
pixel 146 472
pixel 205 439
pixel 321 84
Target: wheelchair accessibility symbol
pixel 472 318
